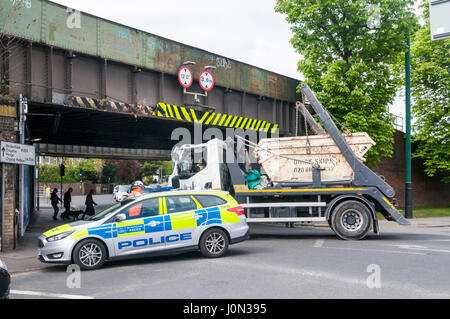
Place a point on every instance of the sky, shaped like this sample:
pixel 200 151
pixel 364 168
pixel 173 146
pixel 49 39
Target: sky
pixel 248 31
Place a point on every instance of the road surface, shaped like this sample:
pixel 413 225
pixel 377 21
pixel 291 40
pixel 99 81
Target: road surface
pixel 276 263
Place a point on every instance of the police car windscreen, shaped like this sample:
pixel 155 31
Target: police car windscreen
pixel 105 212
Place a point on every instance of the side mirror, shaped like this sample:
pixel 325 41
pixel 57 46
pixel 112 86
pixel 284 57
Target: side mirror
pixel 120 218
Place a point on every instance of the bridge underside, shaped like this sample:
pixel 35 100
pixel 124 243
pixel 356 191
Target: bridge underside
pixel 73 131
pixel 53 124
pixel 83 151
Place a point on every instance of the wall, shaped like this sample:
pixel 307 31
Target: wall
pixel 427 191
pixel 7 133
pixel 98 188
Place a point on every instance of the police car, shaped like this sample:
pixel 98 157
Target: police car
pixel 153 224
pixel 5 281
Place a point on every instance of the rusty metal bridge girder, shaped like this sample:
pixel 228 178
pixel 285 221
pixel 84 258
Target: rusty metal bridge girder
pixel 83 151
pixel 48 75
pixel 48 23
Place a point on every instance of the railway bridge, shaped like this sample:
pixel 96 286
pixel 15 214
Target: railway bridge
pixel 93 82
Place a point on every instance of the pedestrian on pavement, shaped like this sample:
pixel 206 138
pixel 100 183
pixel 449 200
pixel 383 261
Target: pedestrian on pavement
pixel 54 200
pixel 90 210
pixel 67 201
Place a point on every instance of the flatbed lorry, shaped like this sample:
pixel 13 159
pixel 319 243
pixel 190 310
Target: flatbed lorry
pixel 349 205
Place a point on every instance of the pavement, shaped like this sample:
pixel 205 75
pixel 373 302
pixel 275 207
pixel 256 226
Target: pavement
pixel 24 258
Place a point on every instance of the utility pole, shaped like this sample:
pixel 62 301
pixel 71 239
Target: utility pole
pixel 408 184
pixel 22 110
pixel 62 173
pixel 80 172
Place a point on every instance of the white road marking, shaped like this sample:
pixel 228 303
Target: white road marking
pixel 377 250
pixel 27 273
pixel 319 243
pixel 412 247
pixel 48 294
pixel 417 247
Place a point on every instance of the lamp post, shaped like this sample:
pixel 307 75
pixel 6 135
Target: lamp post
pixel 408 184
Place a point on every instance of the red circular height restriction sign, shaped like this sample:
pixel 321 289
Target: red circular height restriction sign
pixel 206 80
pixel 185 77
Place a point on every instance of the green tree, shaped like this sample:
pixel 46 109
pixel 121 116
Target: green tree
pixel 109 173
pixel 49 173
pixel 350 52
pixel 430 84
pixel 91 171
pixel 149 169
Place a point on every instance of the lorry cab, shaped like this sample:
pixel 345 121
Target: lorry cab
pixel 200 166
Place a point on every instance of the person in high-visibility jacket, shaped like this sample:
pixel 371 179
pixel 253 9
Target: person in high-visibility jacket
pixel 136 189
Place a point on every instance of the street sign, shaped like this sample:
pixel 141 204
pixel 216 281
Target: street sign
pixel 20 154
pixel 206 80
pixel 439 19
pixel 185 77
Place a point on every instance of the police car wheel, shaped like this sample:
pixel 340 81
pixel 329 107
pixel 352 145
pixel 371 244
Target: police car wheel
pixel 214 243
pixel 90 254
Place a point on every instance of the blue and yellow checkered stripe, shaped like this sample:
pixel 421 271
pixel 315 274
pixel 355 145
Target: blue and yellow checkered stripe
pixel 177 221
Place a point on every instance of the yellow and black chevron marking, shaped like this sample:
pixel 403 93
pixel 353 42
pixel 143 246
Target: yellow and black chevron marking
pixel 212 119
pixel 179 113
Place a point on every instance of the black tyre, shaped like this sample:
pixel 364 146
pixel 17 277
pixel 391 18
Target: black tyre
pixel 89 254
pixel 351 220
pixel 329 223
pixel 214 243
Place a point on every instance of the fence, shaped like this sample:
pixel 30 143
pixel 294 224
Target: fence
pixel 78 188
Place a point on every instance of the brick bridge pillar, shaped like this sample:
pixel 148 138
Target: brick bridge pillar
pixel 7 118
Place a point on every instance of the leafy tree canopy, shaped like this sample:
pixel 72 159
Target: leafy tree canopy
pixel 150 169
pixel 350 50
pixel 430 77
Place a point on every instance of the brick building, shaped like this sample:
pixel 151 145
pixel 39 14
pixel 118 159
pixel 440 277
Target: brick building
pixel 427 191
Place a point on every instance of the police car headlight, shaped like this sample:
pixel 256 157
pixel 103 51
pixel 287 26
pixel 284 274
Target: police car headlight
pixel 2 265
pixel 59 237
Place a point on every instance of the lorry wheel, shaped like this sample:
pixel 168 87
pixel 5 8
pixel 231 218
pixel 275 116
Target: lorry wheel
pixel 89 254
pixel 214 243
pixel 351 220
pixel 329 223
